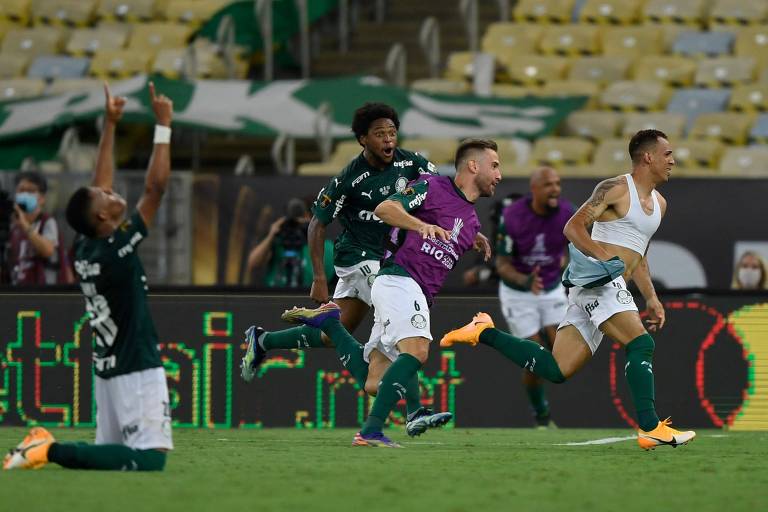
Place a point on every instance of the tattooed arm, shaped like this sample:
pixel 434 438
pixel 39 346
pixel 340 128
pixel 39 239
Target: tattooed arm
pixel 606 194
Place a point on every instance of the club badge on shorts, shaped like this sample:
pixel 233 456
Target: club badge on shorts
pixel 624 297
pixel 418 321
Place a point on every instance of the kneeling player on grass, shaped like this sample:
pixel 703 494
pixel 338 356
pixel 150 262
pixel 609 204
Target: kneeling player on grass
pixel 624 212
pixel 427 243
pixel 133 423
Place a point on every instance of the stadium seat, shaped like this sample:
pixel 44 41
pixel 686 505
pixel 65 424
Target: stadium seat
pixel 49 67
pixel 512 38
pixel 436 150
pixel 685 12
pixel 725 71
pixel 691 43
pixel 71 13
pixel 544 11
pixel 13 66
pixel 192 12
pixel 729 127
pixel 32 41
pixel 671 124
pixel 561 151
pixel 564 88
pixel 508 154
pixel 759 131
pixel 670 69
pixel 753 42
pixel 20 88
pixel 535 69
pixel 152 37
pixel 87 41
pixel 611 12
pixel 593 125
pixel 602 70
pixel 128 10
pixel 693 102
pixel 344 152
pixel 570 40
pixel 612 155
pixel 634 41
pixel 511 91
pixel 16 11
pixel 634 95
pixel 696 153
pixel 79 85
pixel 749 98
pixel 460 66
pixel 441 86
pixel 748 161
pixel 119 63
pixel 738 12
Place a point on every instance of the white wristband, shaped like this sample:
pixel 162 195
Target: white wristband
pixel 162 134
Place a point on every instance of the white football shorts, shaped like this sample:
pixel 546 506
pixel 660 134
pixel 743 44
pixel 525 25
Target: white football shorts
pixel 527 313
pixel 356 281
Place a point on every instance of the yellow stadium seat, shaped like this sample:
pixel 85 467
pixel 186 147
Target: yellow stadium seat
pixel 570 40
pixel 442 86
pixel 696 153
pixel 210 64
pixel 563 88
pixel 672 70
pixel 634 95
pixel 739 12
pixel 561 151
pixel 17 11
pixel 193 12
pixel 725 71
pixel 729 127
pixel 749 161
pixel 612 156
pixel 152 37
pixel 586 171
pixel 544 11
pixel 436 150
pixel 633 41
pixel 512 38
pixel 595 125
pixel 602 70
pixel 753 42
pixel 685 12
pixel 749 98
pixel 671 124
pixel 611 12
pixel 67 85
pixel 508 152
pixel 64 12
pixel 535 69
pixel 344 152
pixel 86 41
pixel 171 63
pixel 511 91
pixel 13 65
pixel 20 88
pixel 32 42
pixel 460 66
pixel 119 63
pixel 129 10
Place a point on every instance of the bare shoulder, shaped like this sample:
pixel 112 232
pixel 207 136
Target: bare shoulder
pixel 662 202
pixel 609 191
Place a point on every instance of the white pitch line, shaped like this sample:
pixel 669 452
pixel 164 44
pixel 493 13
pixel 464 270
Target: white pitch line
pixel 606 440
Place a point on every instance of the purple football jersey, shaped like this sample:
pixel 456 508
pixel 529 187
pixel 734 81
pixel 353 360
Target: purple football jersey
pixel 429 260
pixel 535 239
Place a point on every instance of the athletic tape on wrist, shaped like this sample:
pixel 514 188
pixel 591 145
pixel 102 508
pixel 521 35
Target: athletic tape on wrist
pixel 162 134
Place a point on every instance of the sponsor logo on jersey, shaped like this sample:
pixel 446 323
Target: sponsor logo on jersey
pixel 384 190
pixel 127 249
pixel 367 194
pixel 85 269
pixel 368 216
pixel 416 201
pixel 129 430
pixel 339 205
pixel 404 163
pixel 401 183
pixel 589 308
pixel 446 257
pixel 418 321
pixel 624 297
pixel 360 178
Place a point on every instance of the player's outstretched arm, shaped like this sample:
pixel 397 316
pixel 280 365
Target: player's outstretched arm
pixel 606 194
pixel 316 239
pixel 159 170
pixel 105 165
pixel 393 213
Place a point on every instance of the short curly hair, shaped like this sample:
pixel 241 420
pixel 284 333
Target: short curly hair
pixel 78 212
pixel 368 113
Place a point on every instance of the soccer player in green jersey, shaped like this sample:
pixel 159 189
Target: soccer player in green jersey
pixel 380 170
pixel 133 421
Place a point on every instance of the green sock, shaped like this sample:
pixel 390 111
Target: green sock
pixel 526 353
pixel 538 399
pixel 105 456
pixel 391 390
pixel 295 337
pixel 639 373
pixel 412 395
pixel 350 352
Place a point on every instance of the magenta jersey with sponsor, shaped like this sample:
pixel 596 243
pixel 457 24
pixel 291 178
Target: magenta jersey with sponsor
pixel 434 200
pixel 531 239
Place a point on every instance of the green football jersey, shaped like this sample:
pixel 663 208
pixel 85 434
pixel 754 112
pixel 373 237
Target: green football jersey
pixel 112 279
pixel 354 194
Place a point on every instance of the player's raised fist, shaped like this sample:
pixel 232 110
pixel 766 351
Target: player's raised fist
pixel 113 105
pixel 162 106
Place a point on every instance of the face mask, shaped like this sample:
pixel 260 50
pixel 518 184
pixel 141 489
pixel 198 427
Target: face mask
pixel 27 201
pixel 749 277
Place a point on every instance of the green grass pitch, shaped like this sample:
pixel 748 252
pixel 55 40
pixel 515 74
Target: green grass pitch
pixel 449 470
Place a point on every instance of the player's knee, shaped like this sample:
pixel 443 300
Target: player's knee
pixel 421 353
pixel 372 387
pixel 643 345
pixel 151 460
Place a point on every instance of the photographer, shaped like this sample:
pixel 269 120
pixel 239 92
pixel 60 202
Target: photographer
pixel 35 255
pixel 285 250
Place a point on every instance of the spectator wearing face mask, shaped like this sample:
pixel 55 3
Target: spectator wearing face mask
pixel 750 273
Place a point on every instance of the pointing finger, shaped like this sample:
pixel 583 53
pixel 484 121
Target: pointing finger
pixel 106 91
pixel 152 91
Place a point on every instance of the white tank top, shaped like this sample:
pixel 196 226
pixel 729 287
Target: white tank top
pixel 635 229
